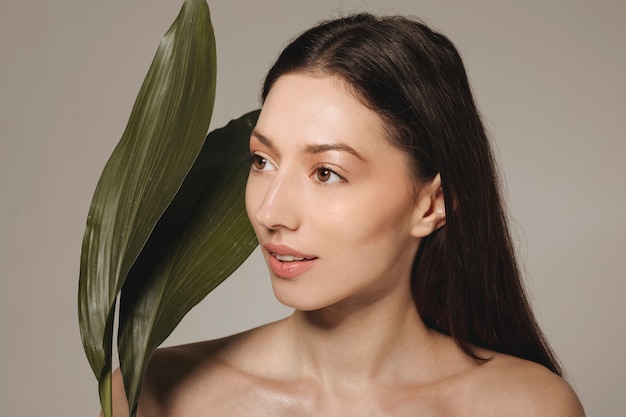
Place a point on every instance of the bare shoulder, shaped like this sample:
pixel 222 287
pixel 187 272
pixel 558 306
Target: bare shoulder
pixel 174 373
pixel 188 379
pixel 169 372
pixel 510 386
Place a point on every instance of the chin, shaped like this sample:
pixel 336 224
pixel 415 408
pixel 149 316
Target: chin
pixel 297 303
pixel 297 298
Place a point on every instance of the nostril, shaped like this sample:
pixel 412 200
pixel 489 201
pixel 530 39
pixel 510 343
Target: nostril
pixel 277 213
pixel 262 218
pixel 266 214
pixel 275 209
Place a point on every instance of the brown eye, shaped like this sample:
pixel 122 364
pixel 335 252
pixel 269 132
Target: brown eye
pixel 328 176
pixel 258 162
pixel 323 174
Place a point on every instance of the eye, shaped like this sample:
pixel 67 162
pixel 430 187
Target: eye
pixel 260 163
pixel 328 176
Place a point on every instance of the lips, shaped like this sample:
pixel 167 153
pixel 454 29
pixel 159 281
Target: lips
pixel 287 258
pixel 286 262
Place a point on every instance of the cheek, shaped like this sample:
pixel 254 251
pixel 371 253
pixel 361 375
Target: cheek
pixel 369 219
pixel 252 200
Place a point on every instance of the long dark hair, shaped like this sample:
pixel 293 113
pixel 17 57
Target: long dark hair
pixel 466 282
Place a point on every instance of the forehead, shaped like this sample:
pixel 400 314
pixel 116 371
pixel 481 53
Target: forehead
pixel 317 109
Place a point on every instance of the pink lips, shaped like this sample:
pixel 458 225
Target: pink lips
pixel 291 268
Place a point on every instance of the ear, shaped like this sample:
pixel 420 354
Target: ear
pixel 430 212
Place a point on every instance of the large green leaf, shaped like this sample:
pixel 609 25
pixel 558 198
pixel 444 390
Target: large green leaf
pixel 164 135
pixel 200 240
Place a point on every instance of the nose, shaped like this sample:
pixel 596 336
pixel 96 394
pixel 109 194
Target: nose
pixel 279 206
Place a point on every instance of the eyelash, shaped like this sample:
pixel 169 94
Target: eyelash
pixel 252 158
pixel 320 168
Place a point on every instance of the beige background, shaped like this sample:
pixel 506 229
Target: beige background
pixel 549 78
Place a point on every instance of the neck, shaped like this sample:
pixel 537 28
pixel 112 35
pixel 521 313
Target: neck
pixel 353 346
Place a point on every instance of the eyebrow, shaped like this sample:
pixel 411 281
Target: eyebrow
pixel 313 149
pixel 326 147
pixel 261 138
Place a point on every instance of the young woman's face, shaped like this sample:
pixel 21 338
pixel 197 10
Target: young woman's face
pixel 332 202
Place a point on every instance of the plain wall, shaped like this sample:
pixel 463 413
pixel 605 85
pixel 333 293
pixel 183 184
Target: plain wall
pixel 549 80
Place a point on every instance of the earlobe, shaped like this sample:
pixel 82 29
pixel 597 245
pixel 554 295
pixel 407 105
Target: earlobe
pixel 430 211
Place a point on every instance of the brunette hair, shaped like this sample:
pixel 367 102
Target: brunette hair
pixel 466 282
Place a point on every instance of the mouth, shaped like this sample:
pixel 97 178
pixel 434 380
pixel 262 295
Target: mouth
pixel 286 253
pixel 289 258
pixel 286 262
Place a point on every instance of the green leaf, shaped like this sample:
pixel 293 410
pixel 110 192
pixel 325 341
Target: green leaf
pixel 163 137
pixel 200 240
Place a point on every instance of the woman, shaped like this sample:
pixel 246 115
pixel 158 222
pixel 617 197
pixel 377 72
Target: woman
pixel 374 197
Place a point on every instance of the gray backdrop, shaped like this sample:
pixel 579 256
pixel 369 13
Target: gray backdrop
pixel 549 79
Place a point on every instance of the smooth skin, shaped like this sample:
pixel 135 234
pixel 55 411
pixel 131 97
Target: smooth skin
pixel 326 185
